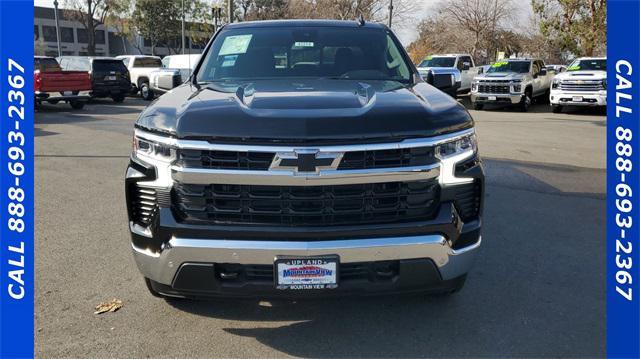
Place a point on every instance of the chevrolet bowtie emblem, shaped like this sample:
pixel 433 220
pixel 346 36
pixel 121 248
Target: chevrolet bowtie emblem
pixel 306 161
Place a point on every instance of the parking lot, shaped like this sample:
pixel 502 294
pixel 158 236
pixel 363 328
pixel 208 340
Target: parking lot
pixel 537 289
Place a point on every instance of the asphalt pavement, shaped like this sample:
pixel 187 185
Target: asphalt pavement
pixel 537 289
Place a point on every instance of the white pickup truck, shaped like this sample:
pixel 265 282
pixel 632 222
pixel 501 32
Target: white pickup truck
pixel 140 68
pixel 584 83
pixel 460 65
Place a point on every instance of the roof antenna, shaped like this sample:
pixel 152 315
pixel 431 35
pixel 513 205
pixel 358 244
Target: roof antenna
pixel 360 20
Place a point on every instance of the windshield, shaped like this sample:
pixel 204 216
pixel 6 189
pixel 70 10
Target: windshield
pixel 46 64
pixel 108 65
pixel 592 64
pixel 315 52
pixel 147 62
pixel 438 62
pixel 520 67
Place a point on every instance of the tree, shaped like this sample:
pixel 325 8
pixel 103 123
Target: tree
pixel 578 26
pixel 483 19
pixel 158 21
pixel 90 13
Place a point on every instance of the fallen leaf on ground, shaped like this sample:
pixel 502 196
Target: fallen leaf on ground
pixel 110 306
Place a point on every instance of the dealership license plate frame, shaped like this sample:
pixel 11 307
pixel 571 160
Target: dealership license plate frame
pixel 577 98
pixel 492 98
pixel 110 78
pixel 324 262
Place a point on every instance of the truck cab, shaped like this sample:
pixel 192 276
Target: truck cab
pixel 584 83
pixel 516 82
pixel 461 66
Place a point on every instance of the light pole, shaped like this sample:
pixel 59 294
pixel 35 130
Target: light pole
pixel 55 11
pixel 216 11
pixel 390 12
pixel 230 10
pixel 183 27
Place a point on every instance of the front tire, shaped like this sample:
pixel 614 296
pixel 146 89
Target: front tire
pixel 146 91
pixel 118 98
pixel 556 108
pixel 525 103
pixel 478 106
pixel 77 105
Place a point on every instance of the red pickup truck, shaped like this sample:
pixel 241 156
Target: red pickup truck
pixel 53 85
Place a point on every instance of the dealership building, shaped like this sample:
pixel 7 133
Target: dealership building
pixel 74 38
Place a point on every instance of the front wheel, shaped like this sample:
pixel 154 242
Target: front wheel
pixel 556 108
pixel 76 105
pixel 478 106
pixel 146 92
pixel 118 98
pixel 525 103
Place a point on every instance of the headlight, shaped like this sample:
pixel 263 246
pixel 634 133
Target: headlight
pixel 463 145
pixel 517 88
pixel 555 83
pixel 604 84
pixel 147 148
pixel 517 81
pixel 450 154
pixel 474 86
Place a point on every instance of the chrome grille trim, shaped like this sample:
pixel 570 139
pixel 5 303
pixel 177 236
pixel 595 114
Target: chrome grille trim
pixel 204 145
pixel 288 178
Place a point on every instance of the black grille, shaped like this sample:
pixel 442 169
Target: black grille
pixel 144 204
pixel 228 160
pixel 418 156
pixel 500 89
pixel 467 200
pixel 260 161
pixel 307 205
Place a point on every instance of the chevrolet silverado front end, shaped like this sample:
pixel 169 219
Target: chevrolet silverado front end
pixel 335 170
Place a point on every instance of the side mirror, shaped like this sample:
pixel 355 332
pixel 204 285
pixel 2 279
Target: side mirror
pixel 168 80
pixel 480 70
pixel 466 66
pixel 543 71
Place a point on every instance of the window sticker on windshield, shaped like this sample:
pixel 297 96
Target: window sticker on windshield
pixel 573 68
pixel 236 44
pixel 429 58
pixel 229 60
pixel 299 44
pixel 500 63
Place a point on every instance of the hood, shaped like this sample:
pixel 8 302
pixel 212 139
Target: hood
pixel 438 70
pixel 582 75
pixel 305 111
pixel 501 76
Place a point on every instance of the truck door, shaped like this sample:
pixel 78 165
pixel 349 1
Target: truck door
pixel 464 64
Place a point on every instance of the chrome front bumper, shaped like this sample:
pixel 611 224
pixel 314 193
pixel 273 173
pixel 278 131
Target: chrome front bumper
pixel 477 97
pixel 589 98
pixel 162 267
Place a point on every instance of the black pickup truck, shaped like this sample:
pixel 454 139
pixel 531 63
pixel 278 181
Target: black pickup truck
pixel 304 158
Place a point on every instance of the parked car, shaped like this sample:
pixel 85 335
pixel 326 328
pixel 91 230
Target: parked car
pixel 53 85
pixel 176 69
pixel 583 84
pixel 109 76
pixel 339 172
pixel 460 66
pixel 140 68
pixel 512 82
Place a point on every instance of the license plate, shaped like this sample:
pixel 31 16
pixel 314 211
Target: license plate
pixel 577 99
pixel 109 78
pixel 492 98
pixel 303 273
pixel 67 93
